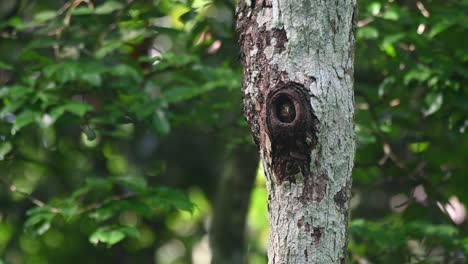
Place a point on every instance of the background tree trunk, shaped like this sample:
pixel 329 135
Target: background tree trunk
pixel 298 99
pixel 228 234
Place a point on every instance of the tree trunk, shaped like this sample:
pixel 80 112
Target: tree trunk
pixel 298 61
pixel 227 234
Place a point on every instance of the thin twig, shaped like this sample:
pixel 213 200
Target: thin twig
pixel 95 206
pixel 15 189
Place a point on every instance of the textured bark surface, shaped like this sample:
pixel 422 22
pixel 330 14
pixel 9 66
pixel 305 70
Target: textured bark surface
pixel 298 100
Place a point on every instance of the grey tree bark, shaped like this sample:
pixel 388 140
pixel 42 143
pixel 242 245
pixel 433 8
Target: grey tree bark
pixel 298 61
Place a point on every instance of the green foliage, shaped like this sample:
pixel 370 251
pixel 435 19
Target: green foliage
pixel 96 200
pixel 410 123
pixel 111 235
pixel 398 241
pixel 113 113
pixel 87 90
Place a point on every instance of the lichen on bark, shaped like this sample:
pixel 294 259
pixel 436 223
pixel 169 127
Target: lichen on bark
pixel 303 47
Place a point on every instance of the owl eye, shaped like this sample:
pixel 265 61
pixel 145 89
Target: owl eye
pixel 285 111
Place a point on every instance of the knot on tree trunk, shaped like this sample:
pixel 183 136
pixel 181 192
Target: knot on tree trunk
pixel 291 127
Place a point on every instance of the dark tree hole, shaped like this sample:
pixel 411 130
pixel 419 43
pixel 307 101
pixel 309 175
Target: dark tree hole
pixel 285 110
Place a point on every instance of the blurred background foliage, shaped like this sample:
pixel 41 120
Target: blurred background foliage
pixel 118 118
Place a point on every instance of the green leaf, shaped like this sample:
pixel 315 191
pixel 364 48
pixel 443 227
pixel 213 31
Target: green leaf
pixel 75 108
pixel 374 8
pixel 428 229
pixel 7 111
pixel 125 71
pixel 62 72
pixel 5 148
pixel 167 199
pixel 390 50
pixel 45 16
pixel 69 209
pixel 418 73
pixel 161 123
pixel 388 42
pixel 189 15
pixel 433 102
pixel 78 109
pixel 93 78
pixel 440 27
pixel 25 118
pixel 134 183
pixel 108 7
pixel 391 14
pixel 39 220
pixel 5 66
pixel 392 39
pixel 465 245
pixel 87 72
pixel 419 147
pixel 367 32
pixel 180 94
pixel 134 36
pixel 17 23
pixel 102 214
pixel 107 48
pixel 19 91
pixel 98 183
pixel 137 206
pixel 82 10
pixel 111 235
